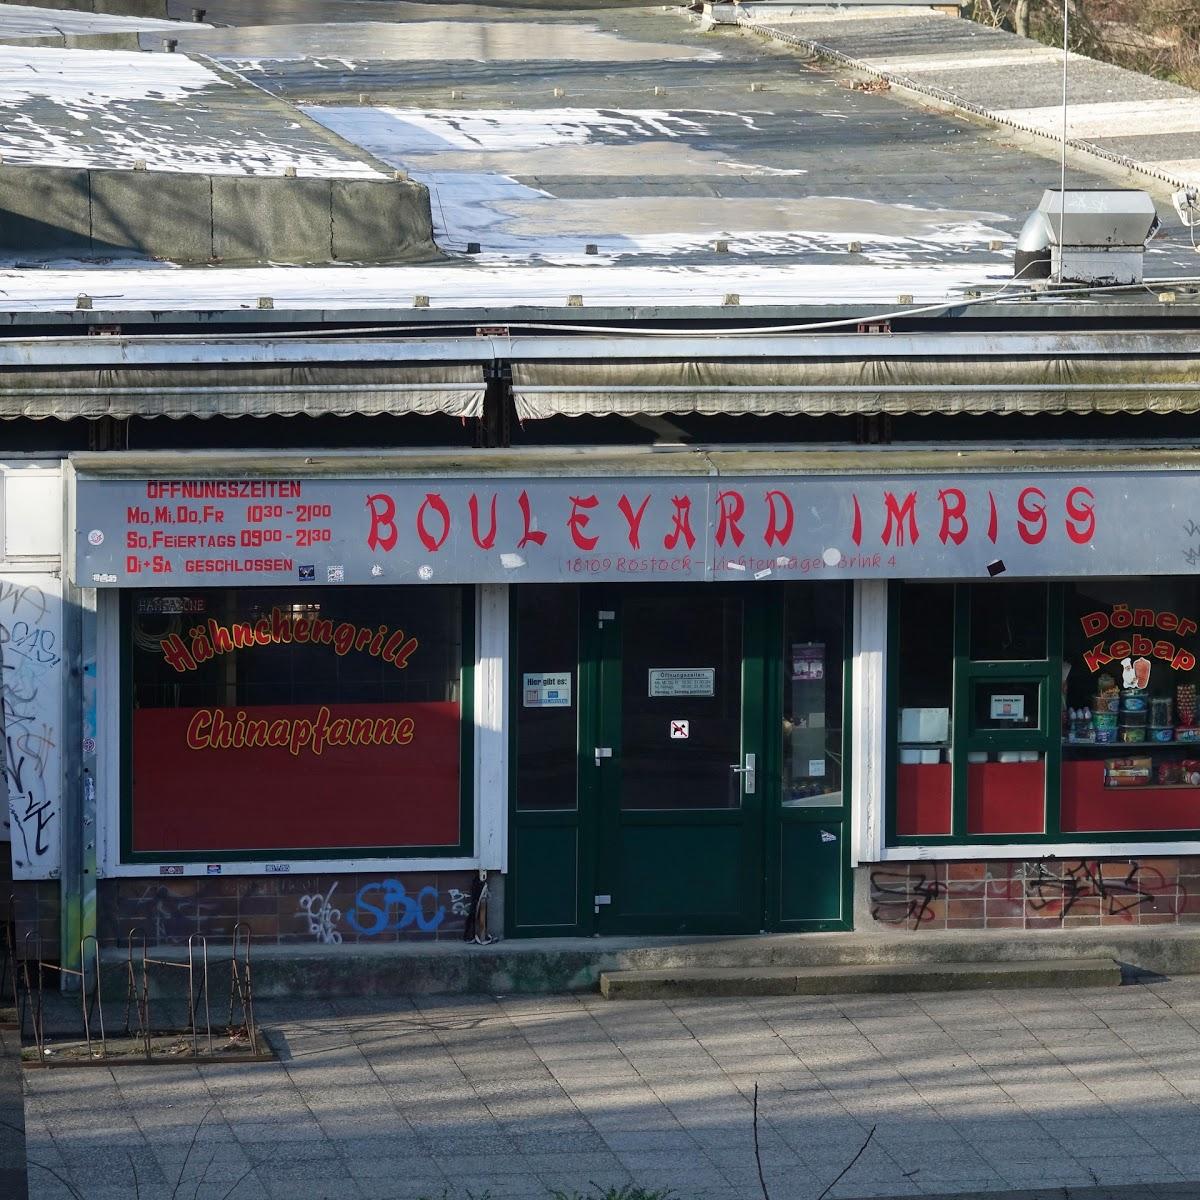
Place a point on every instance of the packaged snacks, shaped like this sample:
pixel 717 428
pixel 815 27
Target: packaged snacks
pixel 1185 703
pixel 1134 762
pixel 1126 772
pixel 1170 772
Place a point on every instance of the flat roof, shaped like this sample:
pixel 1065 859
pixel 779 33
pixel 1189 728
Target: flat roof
pixel 619 158
pixel 25 22
pixel 110 109
pixel 1152 123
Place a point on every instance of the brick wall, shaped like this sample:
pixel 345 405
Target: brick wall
pixel 33 908
pixel 1045 893
pixel 327 909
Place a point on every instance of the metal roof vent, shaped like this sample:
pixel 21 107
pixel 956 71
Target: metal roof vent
pixel 1094 237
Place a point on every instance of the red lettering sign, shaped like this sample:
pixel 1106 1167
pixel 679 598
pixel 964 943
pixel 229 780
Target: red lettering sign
pixel 433 541
pixel 383 532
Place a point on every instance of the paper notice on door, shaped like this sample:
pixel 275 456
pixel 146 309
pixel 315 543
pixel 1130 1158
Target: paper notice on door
pixel 682 681
pixel 816 767
pixel 808 661
pixel 542 690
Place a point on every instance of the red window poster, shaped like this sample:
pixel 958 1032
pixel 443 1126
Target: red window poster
pixel 296 777
pixel 289 721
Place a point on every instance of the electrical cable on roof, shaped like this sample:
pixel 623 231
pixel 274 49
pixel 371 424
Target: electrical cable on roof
pixel 748 331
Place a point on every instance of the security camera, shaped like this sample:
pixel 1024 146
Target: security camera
pixel 1187 205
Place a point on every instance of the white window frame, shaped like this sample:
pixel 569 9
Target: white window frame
pixel 489 772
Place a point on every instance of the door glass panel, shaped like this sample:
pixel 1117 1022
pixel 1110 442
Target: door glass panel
pixel 547 701
pixel 681 701
pixel 1008 621
pixel 812 696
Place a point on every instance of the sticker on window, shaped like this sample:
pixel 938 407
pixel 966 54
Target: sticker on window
pixel 546 690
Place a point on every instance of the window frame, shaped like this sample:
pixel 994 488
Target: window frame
pixel 1046 737
pixel 464 848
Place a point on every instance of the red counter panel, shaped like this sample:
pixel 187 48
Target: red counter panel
pixel 1090 807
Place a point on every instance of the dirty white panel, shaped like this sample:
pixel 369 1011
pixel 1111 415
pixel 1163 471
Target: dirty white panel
pixel 31 733
pixel 32 514
pixel 792 283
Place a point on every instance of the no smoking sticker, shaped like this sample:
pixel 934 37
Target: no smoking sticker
pixel 680 729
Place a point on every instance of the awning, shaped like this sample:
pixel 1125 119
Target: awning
pixel 258 390
pixel 846 387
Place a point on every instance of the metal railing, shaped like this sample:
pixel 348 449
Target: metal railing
pixel 150 980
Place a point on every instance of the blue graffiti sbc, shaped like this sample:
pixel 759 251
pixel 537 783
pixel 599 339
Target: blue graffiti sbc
pixel 386 905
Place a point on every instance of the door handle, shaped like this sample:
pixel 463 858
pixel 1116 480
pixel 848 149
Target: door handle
pixel 748 771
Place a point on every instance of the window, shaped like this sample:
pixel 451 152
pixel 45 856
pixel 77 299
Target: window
pixel 1131 747
pixel 973 730
pixel 1042 711
pixel 264 721
pixel 812 696
pixel 547 644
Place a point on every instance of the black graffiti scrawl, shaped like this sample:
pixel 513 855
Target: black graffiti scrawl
pixel 30 661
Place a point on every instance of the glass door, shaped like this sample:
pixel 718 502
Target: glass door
pixel 807 860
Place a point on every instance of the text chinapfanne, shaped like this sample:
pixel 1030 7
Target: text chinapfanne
pixel 215 729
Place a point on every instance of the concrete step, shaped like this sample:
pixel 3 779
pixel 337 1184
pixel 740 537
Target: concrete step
pixel 697 982
pixel 536 965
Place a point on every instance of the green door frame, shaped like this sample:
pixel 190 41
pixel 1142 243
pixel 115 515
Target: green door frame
pixel 598 724
pixel 777 818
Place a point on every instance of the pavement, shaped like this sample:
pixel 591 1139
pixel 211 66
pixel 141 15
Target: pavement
pixel 457 1097
pixel 12 1119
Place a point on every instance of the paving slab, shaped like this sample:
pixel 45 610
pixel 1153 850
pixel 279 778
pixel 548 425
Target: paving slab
pixel 881 1080
pixel 12 1120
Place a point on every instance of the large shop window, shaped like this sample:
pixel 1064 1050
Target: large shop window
pixel 277 722
pixel 1045 711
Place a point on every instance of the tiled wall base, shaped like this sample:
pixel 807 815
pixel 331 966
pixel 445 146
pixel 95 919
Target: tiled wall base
pixel 324 909
pixel 1047 893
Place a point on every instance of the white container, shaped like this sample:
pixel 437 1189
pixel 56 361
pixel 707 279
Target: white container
pixel 977 756
pixel 909 757
pixel 1009 756
pixel 931 756
pixel 924 724
pixel 1030 755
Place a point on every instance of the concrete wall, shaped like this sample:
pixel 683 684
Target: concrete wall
pixel 1047 893
pixel 201 218
pixel 78 41
pixel 117 8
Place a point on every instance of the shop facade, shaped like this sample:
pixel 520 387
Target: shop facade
pixel 640 692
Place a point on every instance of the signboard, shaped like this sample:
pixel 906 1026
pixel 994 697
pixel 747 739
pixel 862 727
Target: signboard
pixel 328 531
pixel 546 691
pixel 295 777
pixel 681 730
pixel 682 681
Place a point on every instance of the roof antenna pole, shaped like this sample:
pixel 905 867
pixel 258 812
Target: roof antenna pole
pixel 1062 193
